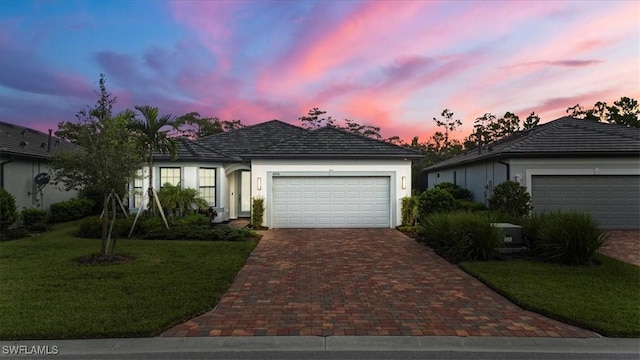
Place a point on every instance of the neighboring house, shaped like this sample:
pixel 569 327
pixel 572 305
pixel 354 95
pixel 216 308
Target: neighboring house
pixel 308 178
pixel 566 164
pixel 25 153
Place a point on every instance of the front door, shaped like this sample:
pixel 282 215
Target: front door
pixel 244 194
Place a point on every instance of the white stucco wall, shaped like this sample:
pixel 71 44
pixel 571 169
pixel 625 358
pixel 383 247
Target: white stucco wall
pixel 266 169
pixel 189 179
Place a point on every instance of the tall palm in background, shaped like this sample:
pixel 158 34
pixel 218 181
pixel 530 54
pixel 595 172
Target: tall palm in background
pixel 151 133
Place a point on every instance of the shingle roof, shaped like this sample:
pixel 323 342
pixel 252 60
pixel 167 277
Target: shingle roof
pixel 16 140
pixel 565 137
pixel 191 150
pixel 330 142
pixel 235 142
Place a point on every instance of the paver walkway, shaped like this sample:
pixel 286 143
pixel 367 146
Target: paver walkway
pixel 361 282
pixel 623 245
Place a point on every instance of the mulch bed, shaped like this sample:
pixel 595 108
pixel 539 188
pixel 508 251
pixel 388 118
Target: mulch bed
pixel 99 259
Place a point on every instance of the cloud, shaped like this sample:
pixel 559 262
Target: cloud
pixel 407 67
pixel 384 63
pixel 122 68
pixel 215 23
pixel 559 63
pixel 25 71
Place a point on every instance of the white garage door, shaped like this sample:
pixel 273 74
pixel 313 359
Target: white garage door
pixel 330 202
pixel 613 200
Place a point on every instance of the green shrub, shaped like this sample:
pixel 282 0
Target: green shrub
pixel 194 219
pixel 122 227
pixel 191 227
pixel 434 201
pixel 91 227
pixel 409 210
pixel 203 233
pixel 179 201
pixel 461 236
pixel 8 212
pixel 570 238
pixel 69 210
pixel 456 191
pixel 257 212
pixel 34 219
pixel 96 195
pixel 510 198
pixel 15 233
pixel 468 205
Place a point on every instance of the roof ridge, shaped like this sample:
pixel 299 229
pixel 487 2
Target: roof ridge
pixel 289 139
pixel 31 130
pixel 607 128
pixel 195 143
pixel 191 145
pixel 247 127
pixel 367 138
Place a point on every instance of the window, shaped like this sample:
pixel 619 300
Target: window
pixel 455 178
pixel 170 175
pixel 137 190
pixel 207 185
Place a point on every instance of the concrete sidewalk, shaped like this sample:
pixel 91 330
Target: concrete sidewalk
pixel 158 345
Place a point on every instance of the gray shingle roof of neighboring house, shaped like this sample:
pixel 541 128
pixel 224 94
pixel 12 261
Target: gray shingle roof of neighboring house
pixel 564 137
pixel 239 141
pixel 16 140
pixel 191 150
pixel 331 143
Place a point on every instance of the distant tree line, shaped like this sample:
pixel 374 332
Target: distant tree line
pixel 487 128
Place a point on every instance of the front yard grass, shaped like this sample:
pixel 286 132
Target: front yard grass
pixel 46 294
pixel 604 298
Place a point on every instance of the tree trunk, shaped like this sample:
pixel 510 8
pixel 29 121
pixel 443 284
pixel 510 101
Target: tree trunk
pixel 105 223
pixel 150 205
pixel 112 244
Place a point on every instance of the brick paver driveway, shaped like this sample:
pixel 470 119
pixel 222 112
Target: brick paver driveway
pixel 361 282
pixel 623 245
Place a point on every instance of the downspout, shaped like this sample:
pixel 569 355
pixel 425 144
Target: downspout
pixel 508 168
pixel 2 164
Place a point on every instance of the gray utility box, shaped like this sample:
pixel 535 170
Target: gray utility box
pixel 512 234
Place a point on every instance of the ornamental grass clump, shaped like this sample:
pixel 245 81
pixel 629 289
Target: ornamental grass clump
pixel 570 238
pixel 461 236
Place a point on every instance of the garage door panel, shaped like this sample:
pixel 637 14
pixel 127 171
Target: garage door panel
pixel 331 202
pixel 351 195
pixel 614 200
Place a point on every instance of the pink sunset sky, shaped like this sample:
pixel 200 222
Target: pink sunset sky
pixel 392 64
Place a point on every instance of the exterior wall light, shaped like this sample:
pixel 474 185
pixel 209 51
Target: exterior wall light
pixel 404 182
pixel 259 183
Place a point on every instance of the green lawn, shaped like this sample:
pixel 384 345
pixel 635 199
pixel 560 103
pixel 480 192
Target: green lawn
pixel 604 298
pixel 45 294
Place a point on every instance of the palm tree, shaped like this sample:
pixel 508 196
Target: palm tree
pixel 180 201
pixel 151 138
